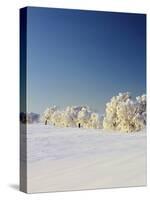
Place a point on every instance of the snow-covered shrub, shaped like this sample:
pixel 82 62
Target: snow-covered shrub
pixel 127 112
pixel 67 119
pixel 141 103
pixel 96 120
pixel 48 114
pixel 73 111
pixel 111 119
pixel 72 116
pixel 84 117
pixel 56 118
pixel 124 114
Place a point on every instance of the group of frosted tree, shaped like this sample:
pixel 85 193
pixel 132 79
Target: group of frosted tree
pixel 72 116
pixel 122 114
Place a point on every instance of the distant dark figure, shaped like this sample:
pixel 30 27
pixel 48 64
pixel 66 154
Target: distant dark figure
pixel 79 125
pixel 45 122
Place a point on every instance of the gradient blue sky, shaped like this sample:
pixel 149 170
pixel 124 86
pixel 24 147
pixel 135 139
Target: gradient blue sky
pixel 83 57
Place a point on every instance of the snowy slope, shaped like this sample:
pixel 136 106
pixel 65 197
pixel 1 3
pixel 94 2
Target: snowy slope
pixel 72 158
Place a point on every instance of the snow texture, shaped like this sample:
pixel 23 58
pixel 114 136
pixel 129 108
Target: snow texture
pixel 62 158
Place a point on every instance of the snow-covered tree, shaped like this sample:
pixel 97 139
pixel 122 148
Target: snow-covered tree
pixel 73 111
pixel 124 114
pixel 48 114
pixel 84 117
pixel 56 118
pixel 141 103
pixel 72 116
pixel 67 119
pixel 95 120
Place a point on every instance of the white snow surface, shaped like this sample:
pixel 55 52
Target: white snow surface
pixel 62 159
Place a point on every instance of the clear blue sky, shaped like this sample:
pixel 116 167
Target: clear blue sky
pixel 83 57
